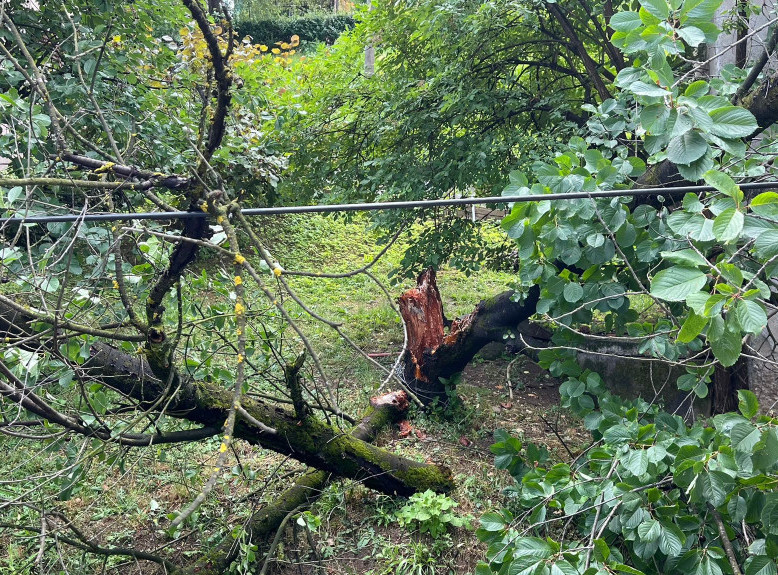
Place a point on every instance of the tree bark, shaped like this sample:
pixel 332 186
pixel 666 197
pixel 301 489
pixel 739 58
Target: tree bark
pixel 433 354
pixel 263 524
pixel 308 440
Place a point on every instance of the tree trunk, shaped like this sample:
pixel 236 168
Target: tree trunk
pixel 725 384
pixel 308 440
pixel 263 524
pixel 433 354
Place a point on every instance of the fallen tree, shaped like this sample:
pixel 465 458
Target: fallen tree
pixel 262 525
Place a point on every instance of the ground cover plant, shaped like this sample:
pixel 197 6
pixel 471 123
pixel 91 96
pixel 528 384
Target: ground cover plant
pixel 170 351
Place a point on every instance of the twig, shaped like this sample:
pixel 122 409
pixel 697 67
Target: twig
pixel 559 437
pixel 271 551
pixel 726 543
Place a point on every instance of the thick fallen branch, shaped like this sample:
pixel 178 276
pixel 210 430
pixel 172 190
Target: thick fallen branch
pixel 434 354
pixel 309 441
pixel 264 523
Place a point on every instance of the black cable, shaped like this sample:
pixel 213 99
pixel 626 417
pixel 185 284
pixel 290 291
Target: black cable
pixel 364 207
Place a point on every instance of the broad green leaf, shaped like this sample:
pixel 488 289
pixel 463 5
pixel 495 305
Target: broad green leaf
pixel 657 8
pixel 687 148
pixel 747 404
pixel 532 547
pixel 714 486
pixel 676 283
pixel 745 436
pixel 731 273
pixel 760 565
pixel 751 316
pixel 732 122
pixel 692 35
pixel 765 204
pixel 643 89
pixel 636 461
pixel 723 183
pixel 727 346
pixel 766 244
pixel 728 225
pixel 573 292
pixel 671 540
pixel 697 89
pixel 493 522
pixel 625 21
pixel 649 530
pixel 692 327
pixel 621 568
pixel 694 171
pixel 601 550
pixel 687 257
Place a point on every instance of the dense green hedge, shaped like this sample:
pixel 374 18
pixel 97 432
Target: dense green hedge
pixel 320 28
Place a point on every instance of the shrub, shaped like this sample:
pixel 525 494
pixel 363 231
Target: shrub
pixel 431 511
pixel 317 28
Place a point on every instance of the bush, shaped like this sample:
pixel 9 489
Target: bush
pixel 318 28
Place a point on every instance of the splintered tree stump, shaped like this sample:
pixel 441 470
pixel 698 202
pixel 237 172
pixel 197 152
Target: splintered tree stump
pixel 434 355
pixel 422 311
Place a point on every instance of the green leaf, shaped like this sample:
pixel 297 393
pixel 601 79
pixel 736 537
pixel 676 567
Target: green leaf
pixel 621 568
pixel 573 292
pixel 532 547
pixel 727 347
pixel 649 530
pixel 714 486
pixel 601 550
pixel 658 8
pixel 643 89
pixel 723 183
pixel 687 257
pixel 751 316
pixel 687 148
pixel 760 565
pixel 671 540
pixel 747 404
pixel 728 225
pixel 765 204
pixel 674 284
pixel 692 35
pixel 766 244
pixel 692 327
pixel 625 21
pixel 636 461
pixel 493 522
pixel 745 436
pixel 732 122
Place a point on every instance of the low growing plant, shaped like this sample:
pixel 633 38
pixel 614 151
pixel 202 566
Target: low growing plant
pixel 431 511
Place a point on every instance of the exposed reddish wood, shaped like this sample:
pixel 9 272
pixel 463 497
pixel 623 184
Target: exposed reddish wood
pixel 434 355
pixel 398 400
pixel 422 311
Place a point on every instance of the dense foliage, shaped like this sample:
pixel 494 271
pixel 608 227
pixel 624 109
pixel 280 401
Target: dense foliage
pixel 309 28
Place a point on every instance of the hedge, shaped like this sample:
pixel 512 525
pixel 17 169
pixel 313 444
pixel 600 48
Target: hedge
pixel 319 28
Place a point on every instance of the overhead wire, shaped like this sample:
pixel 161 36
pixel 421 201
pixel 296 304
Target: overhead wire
pixel 375 206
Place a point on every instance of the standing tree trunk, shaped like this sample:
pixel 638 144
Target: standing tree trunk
pixel 432 354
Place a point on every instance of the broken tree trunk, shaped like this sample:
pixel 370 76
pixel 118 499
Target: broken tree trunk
pixel 308 440
pixel 433 355
pixel 263 524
